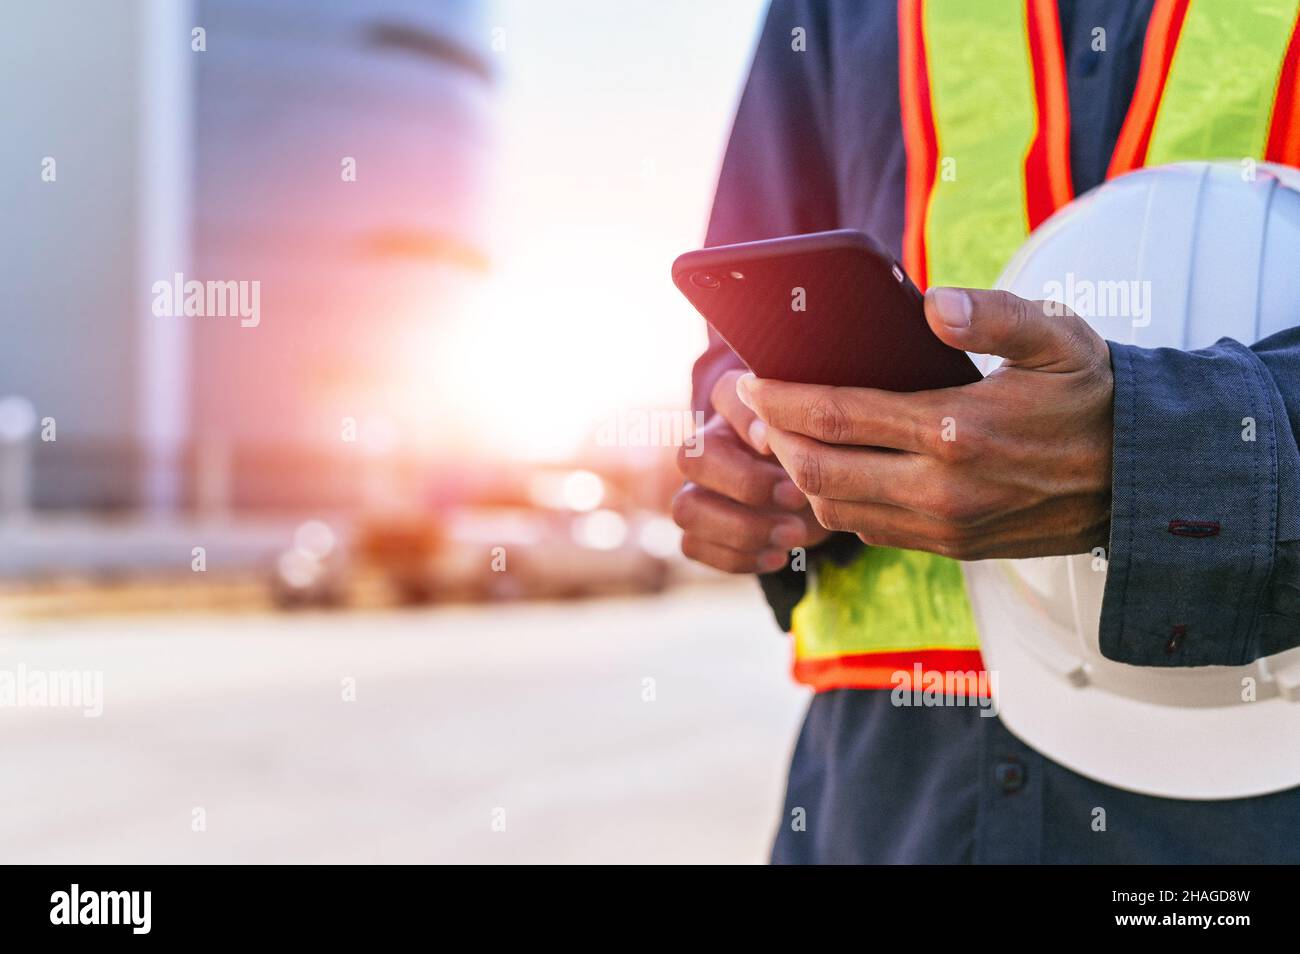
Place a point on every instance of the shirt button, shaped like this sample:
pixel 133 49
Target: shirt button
pixel 1010 774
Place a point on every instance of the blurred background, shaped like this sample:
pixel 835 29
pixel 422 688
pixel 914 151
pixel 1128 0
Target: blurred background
pixel 379 568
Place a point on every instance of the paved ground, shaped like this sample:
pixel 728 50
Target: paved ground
pixel 535 710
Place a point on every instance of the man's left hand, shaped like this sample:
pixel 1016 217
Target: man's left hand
pixel 1015 465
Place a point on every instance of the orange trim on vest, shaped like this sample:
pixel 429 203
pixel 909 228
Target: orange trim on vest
pixel 1048 181
pixel 1284 125
pixel 919 139
pixel 960 670
pixel 1157 54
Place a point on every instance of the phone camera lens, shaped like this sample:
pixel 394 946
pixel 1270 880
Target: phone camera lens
pixel 705 280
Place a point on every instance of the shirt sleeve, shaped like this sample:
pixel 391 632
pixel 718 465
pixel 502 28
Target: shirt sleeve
pixel 1204 561
pixel 777 179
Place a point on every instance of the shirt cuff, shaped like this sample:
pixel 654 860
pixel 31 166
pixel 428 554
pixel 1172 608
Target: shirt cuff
pixel 1193 536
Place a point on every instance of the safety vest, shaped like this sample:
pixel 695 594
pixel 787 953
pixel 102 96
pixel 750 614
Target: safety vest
pixel 986 128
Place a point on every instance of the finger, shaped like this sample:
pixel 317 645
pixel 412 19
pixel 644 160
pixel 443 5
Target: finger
pixel 847 473
pixel 884 525
pixel 729 560
pixel 863 416
pixel 734 470
pixel 1042 335
pixel 709 516
pixel 742 420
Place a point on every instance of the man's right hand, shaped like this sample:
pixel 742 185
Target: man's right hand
pixel 740 512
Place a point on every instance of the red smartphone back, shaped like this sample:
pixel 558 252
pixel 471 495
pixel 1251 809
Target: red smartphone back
pixel 824 308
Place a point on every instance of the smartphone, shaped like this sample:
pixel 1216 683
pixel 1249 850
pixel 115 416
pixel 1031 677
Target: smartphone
pixel 823 308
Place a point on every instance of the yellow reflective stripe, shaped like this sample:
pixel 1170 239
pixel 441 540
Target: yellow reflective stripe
pixel 982 97
pixel 885 601
pixel 1218 97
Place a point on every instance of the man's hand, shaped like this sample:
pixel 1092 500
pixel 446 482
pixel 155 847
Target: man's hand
pixel 1016 465
pixel 739 510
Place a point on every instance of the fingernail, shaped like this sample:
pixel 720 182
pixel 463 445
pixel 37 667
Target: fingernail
pixel 786 534
pixel 787 495
pixel 953 306
pixel 771 560
pixel 758 435
pixel 742 389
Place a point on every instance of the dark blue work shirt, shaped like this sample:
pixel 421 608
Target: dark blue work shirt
pixel 817 144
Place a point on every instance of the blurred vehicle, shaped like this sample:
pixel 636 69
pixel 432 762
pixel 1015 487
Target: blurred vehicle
pixel 314 571
pixel 475 555
pixel 596 556
pixel 404 548
pixel 529 554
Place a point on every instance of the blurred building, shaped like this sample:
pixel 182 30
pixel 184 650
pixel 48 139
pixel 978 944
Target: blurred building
pixel 92 184
pixel 341 157
pixel 334 153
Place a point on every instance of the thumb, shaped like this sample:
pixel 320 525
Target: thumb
pixel 1044 335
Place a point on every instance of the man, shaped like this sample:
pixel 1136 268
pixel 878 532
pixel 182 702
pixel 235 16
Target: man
pixel 821 141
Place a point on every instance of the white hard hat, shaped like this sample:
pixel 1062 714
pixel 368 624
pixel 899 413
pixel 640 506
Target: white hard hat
pixel 1172 256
